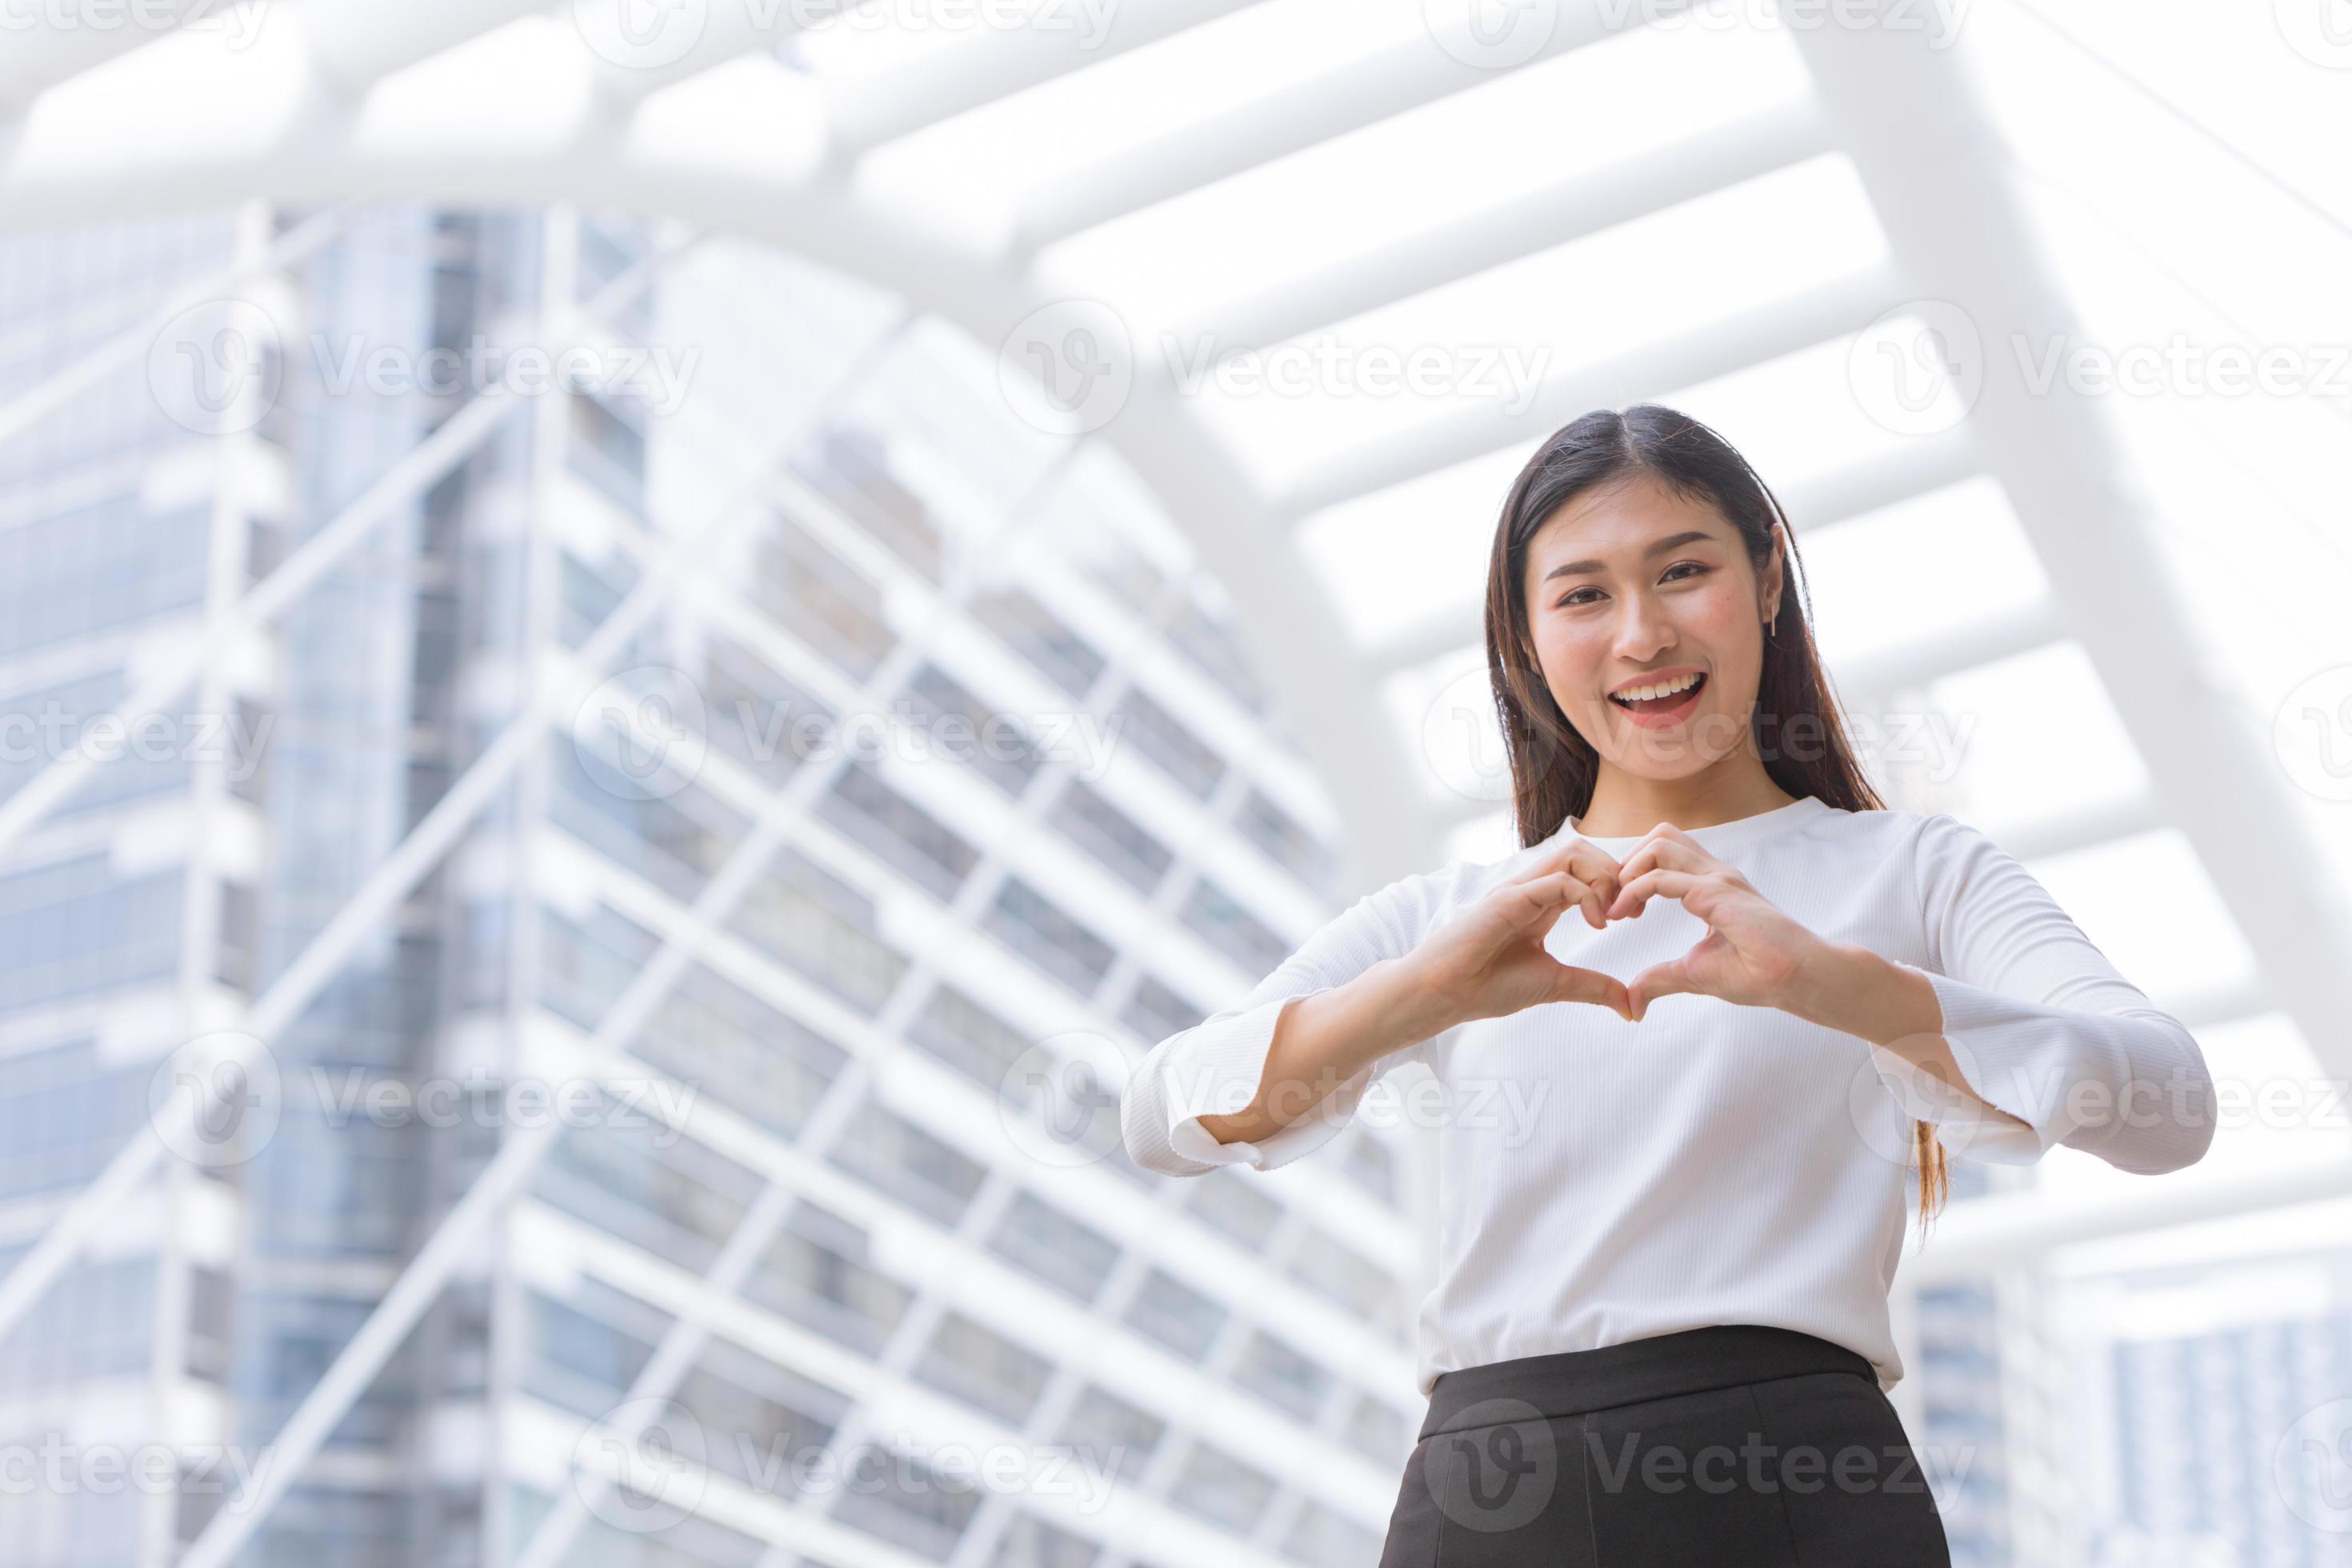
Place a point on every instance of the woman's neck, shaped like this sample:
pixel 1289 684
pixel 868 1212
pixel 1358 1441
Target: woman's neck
pixel 1625 806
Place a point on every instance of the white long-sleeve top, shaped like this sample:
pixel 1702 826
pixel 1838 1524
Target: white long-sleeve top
pixel 1603 1181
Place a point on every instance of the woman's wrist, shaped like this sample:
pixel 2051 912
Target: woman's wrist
pixel 1413 1009
pixel 1854 991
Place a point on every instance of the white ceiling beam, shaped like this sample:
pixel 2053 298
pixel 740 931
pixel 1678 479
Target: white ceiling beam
pixel 732 29
pixel 2070 831
pixel 1559 214
pixel 1766 332
pixel 1926 661
pixel 952 80
pixel 32 62
pixel 1899 474
pixel 1363 93
pixel 355 44
pixel 1934 170
pixel 1975 1238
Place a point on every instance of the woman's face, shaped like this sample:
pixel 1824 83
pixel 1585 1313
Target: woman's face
pixel 1630 587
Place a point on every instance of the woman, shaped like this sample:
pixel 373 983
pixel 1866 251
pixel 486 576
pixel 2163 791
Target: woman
pixel 1676 1135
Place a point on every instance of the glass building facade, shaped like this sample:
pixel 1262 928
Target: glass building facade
pixel 929 770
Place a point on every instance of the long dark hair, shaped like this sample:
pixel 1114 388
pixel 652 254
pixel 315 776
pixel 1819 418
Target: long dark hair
pixel 1797 725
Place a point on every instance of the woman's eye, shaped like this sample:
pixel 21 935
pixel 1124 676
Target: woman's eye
pixel 1678 565
pixel 1573 600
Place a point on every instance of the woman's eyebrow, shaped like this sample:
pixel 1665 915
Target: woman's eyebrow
pixel 1658 547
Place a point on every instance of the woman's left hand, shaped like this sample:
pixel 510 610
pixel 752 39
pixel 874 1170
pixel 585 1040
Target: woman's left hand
pixel 1753 953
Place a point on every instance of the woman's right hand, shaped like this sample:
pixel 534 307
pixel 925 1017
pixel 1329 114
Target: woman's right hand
pixel 1489 961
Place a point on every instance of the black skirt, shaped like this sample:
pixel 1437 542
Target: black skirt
pixel 1734 1445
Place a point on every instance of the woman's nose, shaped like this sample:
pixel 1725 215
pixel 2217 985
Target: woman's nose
pixel 1643 630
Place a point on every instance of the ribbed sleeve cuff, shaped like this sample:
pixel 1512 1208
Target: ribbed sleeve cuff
pixel 2028 1060
pixel 1217 1073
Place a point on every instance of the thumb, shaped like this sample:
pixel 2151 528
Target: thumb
pixel 1658 980
pixel 1574 984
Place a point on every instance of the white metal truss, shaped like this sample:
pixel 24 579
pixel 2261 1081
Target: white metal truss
pixel 310 113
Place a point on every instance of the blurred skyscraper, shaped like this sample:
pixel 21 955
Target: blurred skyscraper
pixel 942 733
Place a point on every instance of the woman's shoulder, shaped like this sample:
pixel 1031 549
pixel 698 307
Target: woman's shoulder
pixel 1421 899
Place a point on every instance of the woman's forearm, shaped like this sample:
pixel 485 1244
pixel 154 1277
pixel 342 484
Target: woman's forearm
pixel 1322 1040
pixel 1856 991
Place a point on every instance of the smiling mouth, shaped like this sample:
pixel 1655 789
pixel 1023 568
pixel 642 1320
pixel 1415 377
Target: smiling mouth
pixel 1688 695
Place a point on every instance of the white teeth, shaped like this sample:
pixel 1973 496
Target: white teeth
pixel 1664 689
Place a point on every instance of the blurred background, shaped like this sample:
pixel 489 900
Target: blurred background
pixel 648 642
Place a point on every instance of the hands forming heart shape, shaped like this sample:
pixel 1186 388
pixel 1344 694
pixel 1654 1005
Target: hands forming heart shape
pixel 1491 962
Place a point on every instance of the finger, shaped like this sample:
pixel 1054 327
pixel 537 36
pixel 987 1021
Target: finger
pixel 1674 854
pixel 1658 980
pixel 1635 896
pixel 1536 899
pixel 1575 984
pixel 1535 904
pixel 1586 861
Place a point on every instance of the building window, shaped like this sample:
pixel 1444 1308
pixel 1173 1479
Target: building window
pixel 897 1157
pixel 1034 926
pixel 1073 1259
pixel 1037 635
pixel 1110 836
pixel 1162 737
pixel 907 837
pixel 1171 1313
pixel 984 1369
pixel 1212 915
pixel 1285 1378
pixel 1155 1012
pixel 1222 1489
pixel 817 1274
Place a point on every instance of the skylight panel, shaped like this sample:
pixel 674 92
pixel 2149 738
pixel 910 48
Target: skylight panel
pixel 1801 416
pixel 1332 203
pixel 1918 571
pixel 1130 101
pixel 1400 558
pixel 1488 345
pixel 2010 743
pixel 2148 903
